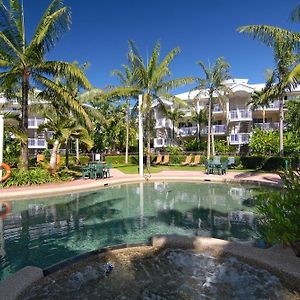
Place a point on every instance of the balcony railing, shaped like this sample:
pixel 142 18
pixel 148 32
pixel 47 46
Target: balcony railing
pixel 161 142
pixel 187 131
pixel 35 123
pixel 216 129
pixel 267 126
pixel 162 123
pixel 239 138
pixel 37 143
pixel 240 115
pixel 272 106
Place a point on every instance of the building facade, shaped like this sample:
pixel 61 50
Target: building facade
pixel 232 121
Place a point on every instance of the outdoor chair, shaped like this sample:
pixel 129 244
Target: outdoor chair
pixel 196 161
pixel 231 161
pixel 166 160
pixel 86 172
pixel 209 167
pixel 187 161
pixel 222 168
pixel 217 160
pixel 158 159
pixel 106 170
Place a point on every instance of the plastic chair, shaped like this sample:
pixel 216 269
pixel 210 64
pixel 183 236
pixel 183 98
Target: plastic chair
pixel 106 170
pixel 231 161
pixel 209 167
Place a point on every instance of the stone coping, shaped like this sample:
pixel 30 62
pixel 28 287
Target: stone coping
pixel 82 185
pixel 279 261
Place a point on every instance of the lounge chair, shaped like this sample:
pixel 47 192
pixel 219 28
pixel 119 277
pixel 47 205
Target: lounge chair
pixel 158 159
pixel 187 161
pixel 196 161
pixel 166 160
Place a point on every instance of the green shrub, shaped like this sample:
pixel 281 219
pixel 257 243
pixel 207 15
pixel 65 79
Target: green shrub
pixel 279 213
pixel 252 162
pixel 274 163
pixel 31 177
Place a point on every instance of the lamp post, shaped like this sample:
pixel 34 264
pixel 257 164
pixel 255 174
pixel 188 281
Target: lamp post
pixel 141 144
pixel 1 141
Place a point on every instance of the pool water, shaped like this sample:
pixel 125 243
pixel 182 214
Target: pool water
pixel 41 232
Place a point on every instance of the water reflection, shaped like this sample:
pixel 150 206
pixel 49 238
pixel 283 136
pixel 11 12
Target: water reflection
pixel 43 232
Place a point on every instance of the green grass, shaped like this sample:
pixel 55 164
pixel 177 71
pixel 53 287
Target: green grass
pixel 133 169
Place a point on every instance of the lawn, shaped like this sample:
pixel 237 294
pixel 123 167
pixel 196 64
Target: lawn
pixel 133 169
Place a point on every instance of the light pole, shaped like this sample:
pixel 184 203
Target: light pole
pixel 141 144
pixel 1 141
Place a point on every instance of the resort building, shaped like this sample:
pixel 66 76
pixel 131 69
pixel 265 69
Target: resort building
pixel 233 121
pixel 37 141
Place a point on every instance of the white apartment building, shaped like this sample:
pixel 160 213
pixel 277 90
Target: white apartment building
pixel 234 122
pixel 37 140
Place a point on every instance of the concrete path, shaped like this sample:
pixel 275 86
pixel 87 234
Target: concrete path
pixel 117 177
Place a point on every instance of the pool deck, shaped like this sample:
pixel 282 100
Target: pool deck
pixel 117 177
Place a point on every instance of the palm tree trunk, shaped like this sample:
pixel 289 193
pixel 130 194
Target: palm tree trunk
pixel 67 153
pixel 148 141
pixel 53 157
pixel 127 132
pixel 24 125
pixel 209 128
pixel 281 119
pixel 213 143
pixel 173 134
pixel 77 152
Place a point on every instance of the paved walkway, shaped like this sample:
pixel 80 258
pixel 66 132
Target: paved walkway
pixel 117 177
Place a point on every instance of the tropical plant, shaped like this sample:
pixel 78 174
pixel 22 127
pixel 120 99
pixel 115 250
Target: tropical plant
pixel 292 116
pixel 264 142
pixel 127 80
pixel 23 63
pixel 174 115
pixel 213 81
pixel 152 81
pixel 286 73
pixel 200 117
pixel 279 213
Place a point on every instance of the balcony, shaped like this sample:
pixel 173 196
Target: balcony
pixel 239 138
pixel 272 106
pixel 37 143
pixel 216 129
pixel 240 115
pixel 217 109
pixel 267 126
pixel 187 112
pixel 163 123
pixel 161 142
pixel 187 131
pixel 35 123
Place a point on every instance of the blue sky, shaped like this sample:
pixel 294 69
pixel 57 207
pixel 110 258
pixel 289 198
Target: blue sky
pixel 203 29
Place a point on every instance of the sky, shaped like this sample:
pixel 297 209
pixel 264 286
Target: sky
pixel 204 30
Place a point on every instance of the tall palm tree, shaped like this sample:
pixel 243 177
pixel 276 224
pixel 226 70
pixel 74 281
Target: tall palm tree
pixel 127 80
pixel 23 64
pixel 152 81
pixel 213 83
pixel 286 73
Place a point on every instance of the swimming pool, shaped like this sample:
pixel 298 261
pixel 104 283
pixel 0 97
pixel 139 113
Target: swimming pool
pixel 42 232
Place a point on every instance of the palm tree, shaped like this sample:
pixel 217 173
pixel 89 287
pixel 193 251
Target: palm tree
pixel 213 82
pixel 63 128
pixel 23 63
pixel 127 80
pixel 286 74
pixel 174 115
pixel 200 117
pixel 152 81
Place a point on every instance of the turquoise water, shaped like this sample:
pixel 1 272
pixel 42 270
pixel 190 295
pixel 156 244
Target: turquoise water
pixel 42 232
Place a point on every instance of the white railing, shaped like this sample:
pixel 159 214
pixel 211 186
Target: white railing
pixel 37 143
pixel 187 112
pixel 216 129
pixel 240 115
pixel 161 142
pixel 186 131
pixel 272 106
pixel 267 126
pixel 239 138
pixel 163 123
pixel 35 123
